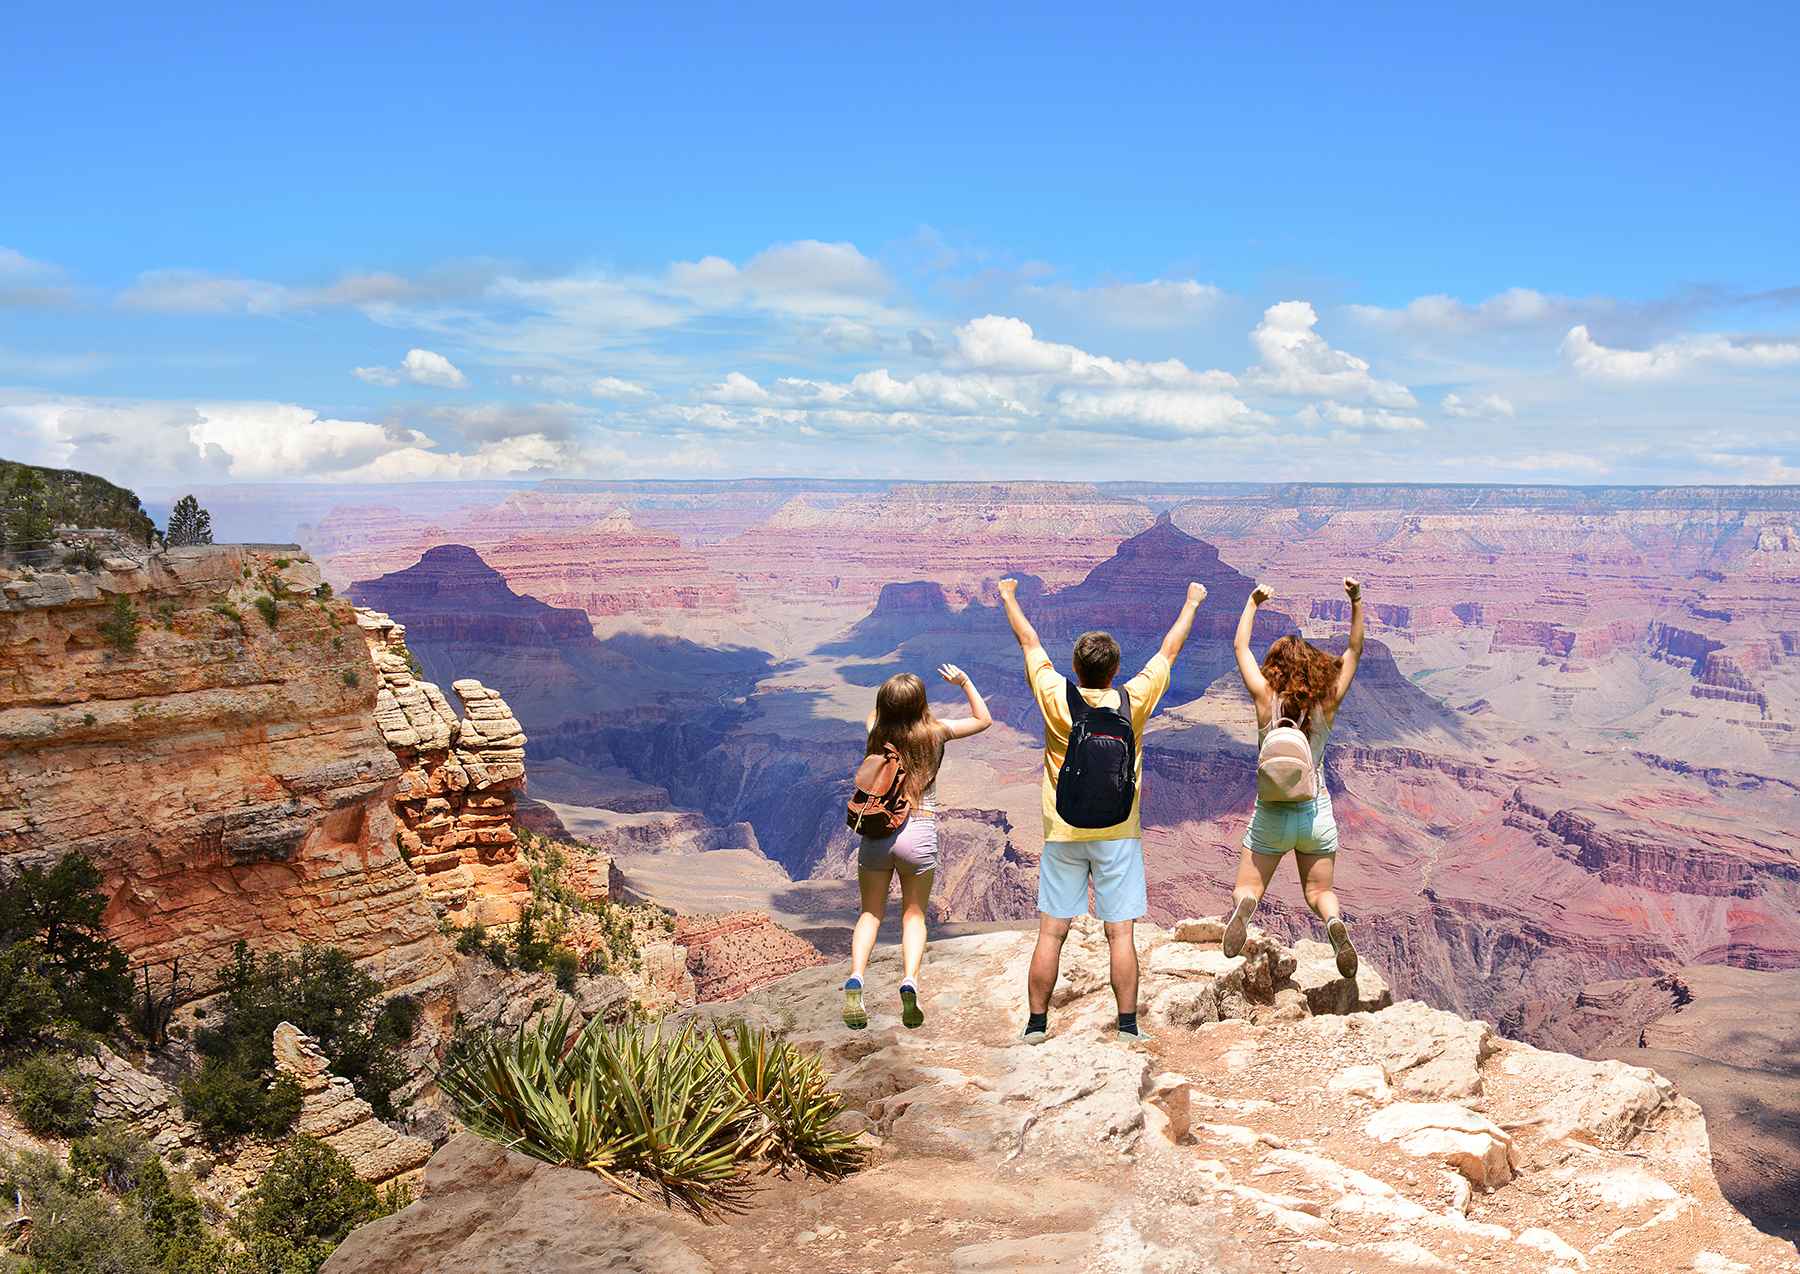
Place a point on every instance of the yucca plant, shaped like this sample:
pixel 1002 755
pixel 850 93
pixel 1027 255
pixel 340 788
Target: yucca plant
pixel 688 1114
pixel 790 1111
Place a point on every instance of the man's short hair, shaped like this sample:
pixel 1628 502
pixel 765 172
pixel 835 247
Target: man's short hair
pixel 1096 659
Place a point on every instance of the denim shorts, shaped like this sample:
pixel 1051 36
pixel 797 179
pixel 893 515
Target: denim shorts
pixel 1115 866
pixel 1306 827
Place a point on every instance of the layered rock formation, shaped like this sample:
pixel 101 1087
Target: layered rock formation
pixel 215 754
pixel 458 783
pixel 1262 1125
pixel 733 954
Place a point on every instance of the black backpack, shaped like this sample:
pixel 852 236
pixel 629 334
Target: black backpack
pixel 1098 780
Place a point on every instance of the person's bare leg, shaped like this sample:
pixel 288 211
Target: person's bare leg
pixel 1122 946
pixel 1255 871
pixel 873 886
pixel 915 892
pixel 1046 959
pixel 1316 877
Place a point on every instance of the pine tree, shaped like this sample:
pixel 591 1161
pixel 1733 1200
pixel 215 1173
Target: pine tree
pixel 189 524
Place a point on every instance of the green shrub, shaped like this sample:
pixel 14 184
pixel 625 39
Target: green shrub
pixel 229 1099
pixel 88 718
pixel 566 965
pixel 82 1224
pixel 85 558
pixel 230 612
pixel 50 1098
pixel 687 1115
pixel 121 629
pixel 188 524
pixel 60 975
pixel 324 994
pixel 282 563
pixel 472 940
pixel 166 613
pixel 351 680
pixel 112 1157
pixel 270 611
pixel 304 1206
pixel 323 591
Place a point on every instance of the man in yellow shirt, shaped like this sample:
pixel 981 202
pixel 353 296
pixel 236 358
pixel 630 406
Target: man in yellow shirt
pixel 1111 857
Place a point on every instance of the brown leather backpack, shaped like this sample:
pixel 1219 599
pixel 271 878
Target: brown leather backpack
pixel 879 807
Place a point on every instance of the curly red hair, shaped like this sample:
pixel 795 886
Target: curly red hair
pixel 1301 675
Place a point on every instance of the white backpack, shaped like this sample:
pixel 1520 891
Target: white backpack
pixel 1284 763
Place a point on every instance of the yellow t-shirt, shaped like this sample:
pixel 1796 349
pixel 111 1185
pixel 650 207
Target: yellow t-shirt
pixel 1051 688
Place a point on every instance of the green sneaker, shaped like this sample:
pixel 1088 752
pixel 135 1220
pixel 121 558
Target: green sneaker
pixel 1034 1037
pixel 855 1016
pixel 910 1012
pixel 1136 1036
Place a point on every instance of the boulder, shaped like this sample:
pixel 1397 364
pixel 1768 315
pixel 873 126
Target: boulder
pixel 1451 1134
pixel 1428 1053
pixel 483 1208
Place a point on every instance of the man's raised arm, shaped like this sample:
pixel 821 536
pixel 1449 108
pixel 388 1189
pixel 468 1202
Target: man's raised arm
pixel 1177 635
pixel 1021 627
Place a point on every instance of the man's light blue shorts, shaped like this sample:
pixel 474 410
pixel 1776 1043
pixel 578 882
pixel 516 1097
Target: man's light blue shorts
pixel 1115 866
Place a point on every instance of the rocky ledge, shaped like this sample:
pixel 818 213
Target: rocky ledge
pixel 1283 1118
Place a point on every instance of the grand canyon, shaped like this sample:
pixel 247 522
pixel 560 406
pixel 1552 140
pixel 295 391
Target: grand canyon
pixel 1570 759
pixel 1565 781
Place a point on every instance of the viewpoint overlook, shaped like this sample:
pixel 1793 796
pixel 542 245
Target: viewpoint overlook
pixel 584 751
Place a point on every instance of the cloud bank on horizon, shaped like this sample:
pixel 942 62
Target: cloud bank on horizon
pixel 1143 292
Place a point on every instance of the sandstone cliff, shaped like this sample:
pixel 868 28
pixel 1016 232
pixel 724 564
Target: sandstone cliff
pixel 217 756
pixel 1283 1118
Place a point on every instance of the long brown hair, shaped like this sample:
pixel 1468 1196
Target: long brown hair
pixel 903 718
pixel 1301 675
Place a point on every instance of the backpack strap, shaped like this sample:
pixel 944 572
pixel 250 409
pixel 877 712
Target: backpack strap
pixel 1125 704
pixel 1078 707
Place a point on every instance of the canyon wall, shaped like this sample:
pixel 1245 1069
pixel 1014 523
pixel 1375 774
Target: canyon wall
pixel 216 755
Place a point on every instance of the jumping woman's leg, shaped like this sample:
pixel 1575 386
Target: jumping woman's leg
pixel 1255 871
pixel 915 892
pixel 873 886
pixel 1316 876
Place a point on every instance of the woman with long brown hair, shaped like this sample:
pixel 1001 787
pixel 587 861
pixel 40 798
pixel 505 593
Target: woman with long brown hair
pixel 1298 687
pixel 903 718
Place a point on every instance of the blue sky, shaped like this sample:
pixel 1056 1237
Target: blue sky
pixel 1404 243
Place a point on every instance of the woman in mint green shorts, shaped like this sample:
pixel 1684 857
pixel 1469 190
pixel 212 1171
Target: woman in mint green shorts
pixel 1298 682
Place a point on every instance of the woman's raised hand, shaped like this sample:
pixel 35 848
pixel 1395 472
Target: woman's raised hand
pixel 954 675
pixel 1352 589
pixel 1261 593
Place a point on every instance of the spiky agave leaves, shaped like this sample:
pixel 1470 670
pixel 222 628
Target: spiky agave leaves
pixel 687 1113
pixel 788 1121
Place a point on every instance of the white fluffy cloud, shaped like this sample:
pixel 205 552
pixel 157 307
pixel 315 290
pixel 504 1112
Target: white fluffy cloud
pixel 615 387
pixel 806 277
pixel 1439 313
pixel 419 367
pixel 1675 358
pixel 1377 419
pixel 1153 304
pixel 1485 407
pixel 1297 362
pixel 267 441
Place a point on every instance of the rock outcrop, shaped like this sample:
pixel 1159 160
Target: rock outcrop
pixel 200 723
pixel 331 1112
pixel 733 954
pixel 459 780
pixel 1394 1138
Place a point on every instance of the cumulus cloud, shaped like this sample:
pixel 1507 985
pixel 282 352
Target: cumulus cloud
pixel 29 284
pixel 1485 407
pixel 419 367
pixel 1002 344
pixel 615 387
pixel 1297 362
pixel 1439 313
pixel 1671 359
pixel 269 441
pixel 805 277
pixel 1377 419
pixel 737 388
pixel 1156 303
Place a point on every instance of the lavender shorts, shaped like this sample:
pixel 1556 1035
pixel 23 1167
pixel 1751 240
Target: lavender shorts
pixel 912 849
